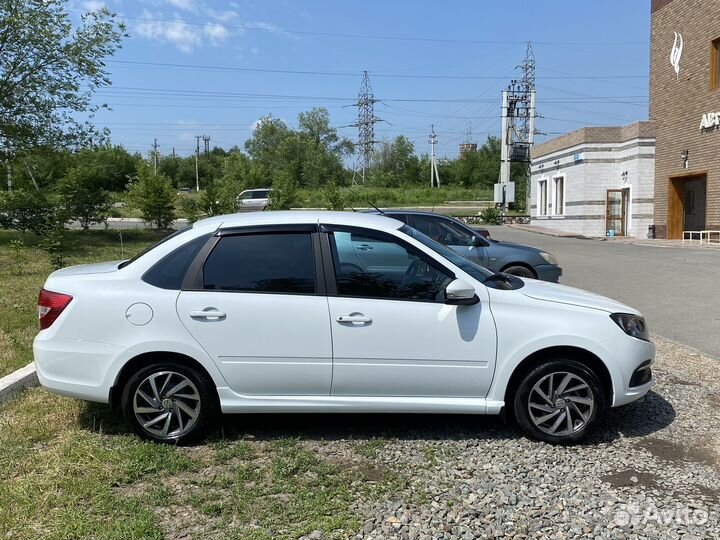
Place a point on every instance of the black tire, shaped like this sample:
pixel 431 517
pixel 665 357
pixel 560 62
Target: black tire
pixel 198 397
pixel 520 271
pixel 584 414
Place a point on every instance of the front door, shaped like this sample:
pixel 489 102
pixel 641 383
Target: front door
pixel 392 333
pixel 694 206
pixel 616 212
pixel 258 313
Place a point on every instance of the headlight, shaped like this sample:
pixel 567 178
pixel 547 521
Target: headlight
pixel 549 258
pixel 632 325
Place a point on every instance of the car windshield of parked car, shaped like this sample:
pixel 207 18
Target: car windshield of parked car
pixel 466 265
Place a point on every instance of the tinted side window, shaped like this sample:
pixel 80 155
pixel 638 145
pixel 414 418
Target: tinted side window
pixel 261 194
pixel 376 266
pixel 168 272
pixel 274 263
pixel 443 231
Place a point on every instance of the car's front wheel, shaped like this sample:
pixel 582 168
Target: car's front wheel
pixel 559 401
pixel 169 402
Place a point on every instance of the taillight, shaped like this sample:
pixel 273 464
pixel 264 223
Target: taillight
pixel 50 306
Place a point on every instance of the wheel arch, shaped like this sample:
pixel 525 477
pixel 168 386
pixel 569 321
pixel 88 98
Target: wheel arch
pixel 523 264
pixel 147 358
pixel 585 357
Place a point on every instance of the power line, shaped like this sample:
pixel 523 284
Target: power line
pixel 280 31
pixel 351 74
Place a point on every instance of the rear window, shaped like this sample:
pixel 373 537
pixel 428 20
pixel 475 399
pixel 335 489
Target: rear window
pixel 169 272
pixel 149 249
pixel 270 263
pixel 260 194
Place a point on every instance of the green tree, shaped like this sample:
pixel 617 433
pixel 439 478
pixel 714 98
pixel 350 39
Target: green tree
pixel 154 196
pixel 284 194
pixel 49 71
pixel 84 198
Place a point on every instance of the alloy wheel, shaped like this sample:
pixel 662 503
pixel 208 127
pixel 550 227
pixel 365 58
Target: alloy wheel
pixel 561 403
pixel 167 404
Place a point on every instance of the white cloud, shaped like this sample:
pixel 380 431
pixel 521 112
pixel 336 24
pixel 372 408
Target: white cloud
pixel 93 5
pixel 184 36
pixel 224 16
pixel 185 5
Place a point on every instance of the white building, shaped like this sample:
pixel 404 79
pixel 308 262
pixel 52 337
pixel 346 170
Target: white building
pixel 595 181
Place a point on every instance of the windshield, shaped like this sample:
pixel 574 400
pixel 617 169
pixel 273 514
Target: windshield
pixel 466 265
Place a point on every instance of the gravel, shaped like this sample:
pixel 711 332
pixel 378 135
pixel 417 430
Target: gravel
pixel 651 471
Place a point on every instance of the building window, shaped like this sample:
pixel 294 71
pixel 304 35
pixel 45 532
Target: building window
pixel 559 195
pixel 715 64
pixel 542 198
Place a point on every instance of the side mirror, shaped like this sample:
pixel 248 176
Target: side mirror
pixel 460 293
pixel 476 242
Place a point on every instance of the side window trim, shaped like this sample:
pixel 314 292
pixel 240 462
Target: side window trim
pixel 195 278
pixel 329 265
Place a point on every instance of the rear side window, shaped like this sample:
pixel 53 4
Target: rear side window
pixel 168 272
pixel 261 194
pixel 269 263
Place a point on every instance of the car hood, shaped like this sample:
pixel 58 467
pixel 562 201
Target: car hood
pixel 97 268
pixel 562 294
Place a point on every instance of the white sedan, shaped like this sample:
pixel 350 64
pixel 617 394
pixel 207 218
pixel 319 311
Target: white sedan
pixel 331 312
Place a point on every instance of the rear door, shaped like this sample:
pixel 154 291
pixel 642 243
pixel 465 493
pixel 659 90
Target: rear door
pixel 451 234
pixel 257 305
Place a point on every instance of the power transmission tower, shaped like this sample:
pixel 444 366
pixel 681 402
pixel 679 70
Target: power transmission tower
pixel 155 155
pixel 518 129
pixel 197 157
pixel 434 176
pixel 206 140
pixel 366 123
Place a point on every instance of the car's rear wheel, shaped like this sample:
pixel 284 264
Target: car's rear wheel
pixel 520 271
pixel 559 401
pixel 169 402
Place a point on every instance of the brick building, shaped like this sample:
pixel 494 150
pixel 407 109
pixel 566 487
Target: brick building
pixel 595 181
pixel 685 106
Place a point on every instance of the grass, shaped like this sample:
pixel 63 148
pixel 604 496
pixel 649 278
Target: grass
pixel 24 268
pixel 71 470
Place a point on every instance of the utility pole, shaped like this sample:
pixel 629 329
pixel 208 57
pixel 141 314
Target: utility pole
pixel 434 176
pixel 155 155
pixel 206 140
pixel 173 154
pixel 366 123
pixel 8 165
pixel 197 156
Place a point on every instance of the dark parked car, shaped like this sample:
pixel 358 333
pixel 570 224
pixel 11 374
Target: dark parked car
pixel 515 259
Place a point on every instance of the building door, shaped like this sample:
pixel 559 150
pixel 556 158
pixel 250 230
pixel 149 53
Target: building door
pixel 616 212
pixel 694 205
pixel 686 205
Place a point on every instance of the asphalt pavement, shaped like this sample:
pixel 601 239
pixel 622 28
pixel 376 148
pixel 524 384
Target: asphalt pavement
pixel 676 287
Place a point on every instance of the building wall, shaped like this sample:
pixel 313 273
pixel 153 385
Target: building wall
pixel 678 102
pixel 593 160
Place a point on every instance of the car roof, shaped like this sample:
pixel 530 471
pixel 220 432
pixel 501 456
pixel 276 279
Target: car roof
pixel 294 217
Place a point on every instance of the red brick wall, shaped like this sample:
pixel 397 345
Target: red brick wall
pixel 677 105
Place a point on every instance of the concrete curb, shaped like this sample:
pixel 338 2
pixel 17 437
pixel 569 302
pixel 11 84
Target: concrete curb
pixel 547 232
pixel 18 380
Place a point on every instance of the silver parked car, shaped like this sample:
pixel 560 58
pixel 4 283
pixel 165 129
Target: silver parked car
pixel 515 259
pixel 253 199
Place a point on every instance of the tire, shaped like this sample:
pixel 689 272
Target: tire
pixel 520 271
pixel 167 412
pixel 543 416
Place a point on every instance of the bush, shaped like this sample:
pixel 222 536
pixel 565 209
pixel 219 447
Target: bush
pixel 333 197
pixel 154 196
pixel 284 194
pixel 491 216
pixel 84 200
pixel 190 209
pixel 26 210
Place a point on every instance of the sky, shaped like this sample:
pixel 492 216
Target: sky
pixel 206 67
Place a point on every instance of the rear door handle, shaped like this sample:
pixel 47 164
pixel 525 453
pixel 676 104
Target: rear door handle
pixel 208 313
pixel 357 318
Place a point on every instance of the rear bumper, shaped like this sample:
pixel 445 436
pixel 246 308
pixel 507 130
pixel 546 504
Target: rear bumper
pixel 548 272
pixel 78 369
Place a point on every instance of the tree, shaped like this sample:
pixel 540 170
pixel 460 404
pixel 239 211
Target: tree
pixel 84 198
pixel 49 71
pixel 154 196
pixel 398 163
pixel 284 192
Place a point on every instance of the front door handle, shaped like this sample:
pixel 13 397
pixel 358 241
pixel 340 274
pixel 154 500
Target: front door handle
pixel 354 318
pixel 364 247
pixel 208 314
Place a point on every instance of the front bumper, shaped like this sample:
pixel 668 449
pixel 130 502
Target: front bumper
pixel 627 386
pixel 548 272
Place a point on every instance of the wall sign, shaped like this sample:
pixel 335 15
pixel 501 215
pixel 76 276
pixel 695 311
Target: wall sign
pixel 676 53
pixel 710 120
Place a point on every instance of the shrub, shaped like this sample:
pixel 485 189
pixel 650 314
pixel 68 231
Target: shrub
pixel 154 196
pixel 84 200
pixel 284 194
pixel 491 216
pixel 333 197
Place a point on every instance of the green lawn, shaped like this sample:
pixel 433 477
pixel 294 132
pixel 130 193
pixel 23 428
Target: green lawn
pixel 24 268
pixel 71 470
